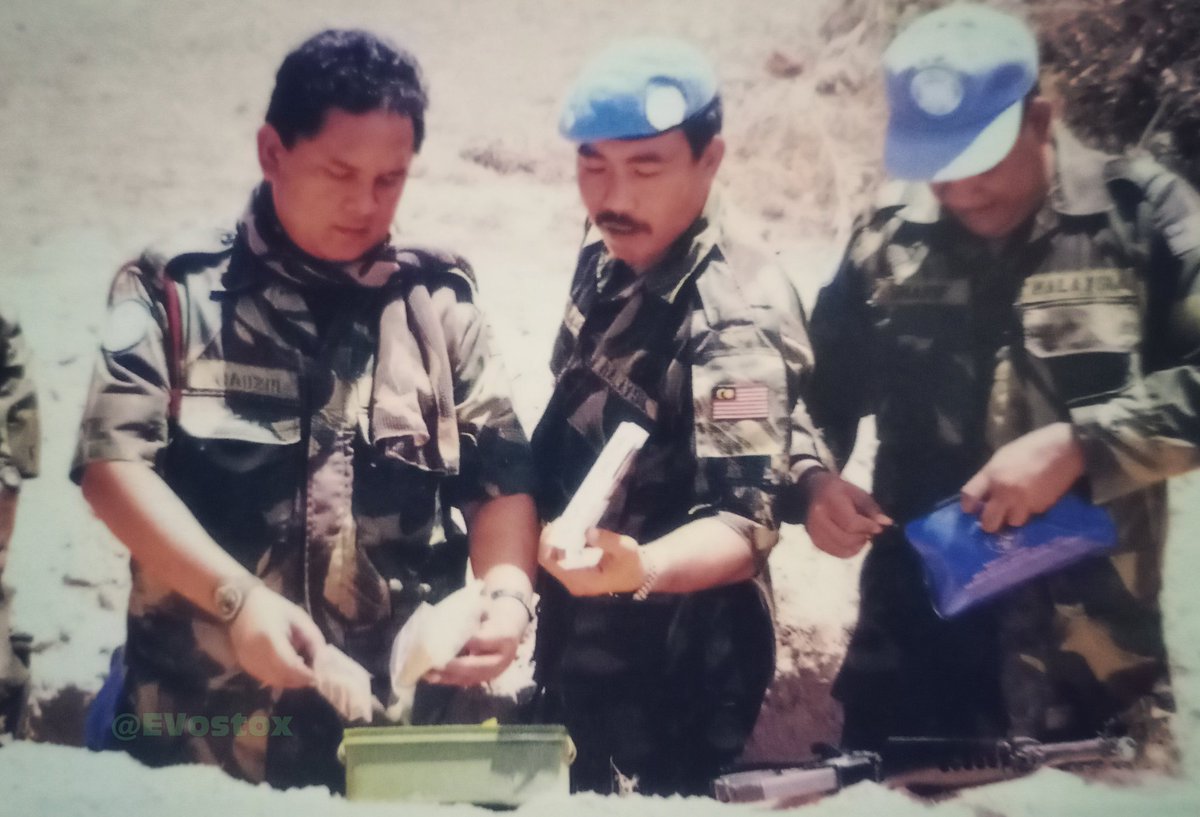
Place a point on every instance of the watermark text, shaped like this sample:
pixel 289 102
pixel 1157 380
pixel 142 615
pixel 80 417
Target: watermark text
pixel 128 726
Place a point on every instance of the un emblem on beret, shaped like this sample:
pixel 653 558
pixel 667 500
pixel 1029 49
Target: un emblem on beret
pixel 937 91
pixel 665 106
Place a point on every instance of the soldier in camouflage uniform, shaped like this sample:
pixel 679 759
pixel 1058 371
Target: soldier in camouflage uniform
pixel 283 454
pixel 1025 323
pixel 657 659
pixel 19 454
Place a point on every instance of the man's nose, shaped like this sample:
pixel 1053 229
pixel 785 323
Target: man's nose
pixel 362 201
pixel 959 193
pixel 618 195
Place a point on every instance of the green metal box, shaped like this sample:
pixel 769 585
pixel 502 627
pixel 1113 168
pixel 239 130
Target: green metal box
pixel 485 765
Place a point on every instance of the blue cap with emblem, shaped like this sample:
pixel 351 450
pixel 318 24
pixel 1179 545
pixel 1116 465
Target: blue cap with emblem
pixel 956 82
pixel 637 88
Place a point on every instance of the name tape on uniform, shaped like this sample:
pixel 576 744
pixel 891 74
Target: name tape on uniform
pixel 223 376
pixel 1068 285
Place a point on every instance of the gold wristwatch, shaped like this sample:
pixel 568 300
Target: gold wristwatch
pixel 230 597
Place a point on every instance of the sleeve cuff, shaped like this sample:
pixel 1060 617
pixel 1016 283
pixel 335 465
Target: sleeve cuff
pixel 1105 476
pixel 761 538
pixel 102 450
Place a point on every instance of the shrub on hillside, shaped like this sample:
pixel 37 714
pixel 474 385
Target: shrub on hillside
pixel 1129 72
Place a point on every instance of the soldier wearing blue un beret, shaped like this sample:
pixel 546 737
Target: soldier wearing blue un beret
pixel 658 657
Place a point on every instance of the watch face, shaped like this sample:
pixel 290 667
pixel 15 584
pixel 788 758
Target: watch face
pixel 229 601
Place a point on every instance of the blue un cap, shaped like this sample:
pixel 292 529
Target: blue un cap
pixel 956 81
pixel 637 88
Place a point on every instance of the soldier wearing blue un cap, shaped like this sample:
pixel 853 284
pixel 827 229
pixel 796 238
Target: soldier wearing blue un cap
pixel 1022 318
pixel 956 86
pixel 658 657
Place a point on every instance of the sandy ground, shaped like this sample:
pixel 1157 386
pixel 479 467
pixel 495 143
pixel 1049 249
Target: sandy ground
pixel 132 122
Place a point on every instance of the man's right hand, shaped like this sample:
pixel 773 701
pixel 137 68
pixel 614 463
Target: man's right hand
pixel 842 517
pixel 274 640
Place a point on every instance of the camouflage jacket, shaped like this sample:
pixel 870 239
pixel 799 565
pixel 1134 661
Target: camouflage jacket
pixel 273 382
pixel 709 352
pixel 20 442
pixel 957 347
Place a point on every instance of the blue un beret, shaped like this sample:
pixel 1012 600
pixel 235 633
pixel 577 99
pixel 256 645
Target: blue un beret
pixel 638 88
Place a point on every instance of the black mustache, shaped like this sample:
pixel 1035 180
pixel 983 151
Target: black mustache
pixel 622 222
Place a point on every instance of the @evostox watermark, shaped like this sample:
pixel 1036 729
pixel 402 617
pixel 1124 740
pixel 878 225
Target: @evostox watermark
pixel 128 726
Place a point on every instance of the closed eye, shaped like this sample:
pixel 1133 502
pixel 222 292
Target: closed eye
pixel 393 179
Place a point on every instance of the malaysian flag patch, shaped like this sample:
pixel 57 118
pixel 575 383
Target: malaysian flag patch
pixel 742 401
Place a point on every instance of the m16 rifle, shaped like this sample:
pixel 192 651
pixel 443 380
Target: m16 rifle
pixel 925 765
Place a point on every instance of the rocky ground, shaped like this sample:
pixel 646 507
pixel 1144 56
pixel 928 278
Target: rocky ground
pixel 132 122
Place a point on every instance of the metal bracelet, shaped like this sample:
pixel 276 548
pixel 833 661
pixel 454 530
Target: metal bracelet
pixel 649 576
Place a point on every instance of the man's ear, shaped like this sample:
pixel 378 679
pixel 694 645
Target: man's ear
pixel 270 149
pixel 1039 116
pixel 712 156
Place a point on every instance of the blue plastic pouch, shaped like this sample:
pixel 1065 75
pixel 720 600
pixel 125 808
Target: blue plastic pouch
pixel 103 711
pixel 965 565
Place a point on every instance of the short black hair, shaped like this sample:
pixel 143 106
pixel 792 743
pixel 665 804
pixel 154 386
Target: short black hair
pixel 350 69
pixel 702 126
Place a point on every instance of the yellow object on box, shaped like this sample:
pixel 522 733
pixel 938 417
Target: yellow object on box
pixel 485 765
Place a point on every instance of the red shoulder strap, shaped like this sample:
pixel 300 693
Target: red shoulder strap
pixel 174 344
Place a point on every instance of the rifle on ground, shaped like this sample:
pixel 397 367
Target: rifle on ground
pixel 923 764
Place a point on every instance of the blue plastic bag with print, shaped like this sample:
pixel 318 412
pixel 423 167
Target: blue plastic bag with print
pixel 966 566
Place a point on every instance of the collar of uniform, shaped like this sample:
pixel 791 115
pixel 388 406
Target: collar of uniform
pixel 916 201
pixel 1078 188
pixel 666 279
pixel 607 265
pixel 244 272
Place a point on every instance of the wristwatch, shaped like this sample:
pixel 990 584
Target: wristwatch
pixel 519 598
pixel 649 575
pixel 230 597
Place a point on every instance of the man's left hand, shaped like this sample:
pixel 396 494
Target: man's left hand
pixel 1024 477
pixel 619 569
pixel 491 649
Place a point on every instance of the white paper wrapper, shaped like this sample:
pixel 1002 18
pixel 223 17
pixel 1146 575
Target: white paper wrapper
pixel 433 636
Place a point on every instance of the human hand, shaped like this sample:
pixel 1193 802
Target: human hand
pixel 491 649
pixel 842 517
pixel 1024 477
pixel 274 640
pixel 619 568
pixel 344 683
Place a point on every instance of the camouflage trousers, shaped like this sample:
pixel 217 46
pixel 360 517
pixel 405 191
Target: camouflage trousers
pixel 14 648
pixel 14 671
pixel 659 696
pixel 996 671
